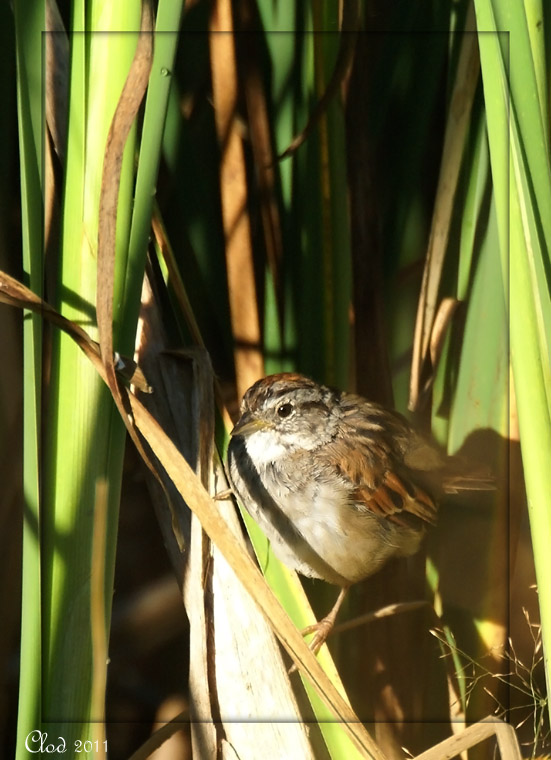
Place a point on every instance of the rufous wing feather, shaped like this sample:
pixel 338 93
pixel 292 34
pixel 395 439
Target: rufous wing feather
pixel 397 499
pixel 376 484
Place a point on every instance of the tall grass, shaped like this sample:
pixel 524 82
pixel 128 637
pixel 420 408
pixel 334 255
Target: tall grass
pixel 74 440
pixel 515 67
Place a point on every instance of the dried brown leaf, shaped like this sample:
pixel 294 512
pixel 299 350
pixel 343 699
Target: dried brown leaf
pixel 249 364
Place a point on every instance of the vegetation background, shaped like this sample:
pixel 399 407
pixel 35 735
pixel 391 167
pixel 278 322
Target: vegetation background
pixel 400 250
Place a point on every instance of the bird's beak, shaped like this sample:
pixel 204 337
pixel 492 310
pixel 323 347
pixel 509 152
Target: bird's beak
pixel 248 424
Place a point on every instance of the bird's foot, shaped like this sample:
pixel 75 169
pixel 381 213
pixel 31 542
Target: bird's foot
pixel 321 631
pixel 323 628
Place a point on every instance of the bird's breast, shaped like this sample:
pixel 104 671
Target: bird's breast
pixel 351 541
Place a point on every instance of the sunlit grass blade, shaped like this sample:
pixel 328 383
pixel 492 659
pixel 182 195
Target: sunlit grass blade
pixel 29 22
pixel 84 439
pixel 520 165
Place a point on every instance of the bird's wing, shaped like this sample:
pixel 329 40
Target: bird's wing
pixel 396 499
pixel 378 485
pixel 369 455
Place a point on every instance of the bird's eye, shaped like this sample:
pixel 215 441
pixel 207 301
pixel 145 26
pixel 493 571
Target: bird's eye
pixel 284 410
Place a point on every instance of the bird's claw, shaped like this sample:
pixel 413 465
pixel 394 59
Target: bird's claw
pixel 322 629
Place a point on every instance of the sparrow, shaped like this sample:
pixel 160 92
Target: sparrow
pixel 338 484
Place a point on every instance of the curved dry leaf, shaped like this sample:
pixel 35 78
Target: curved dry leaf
pixel 197 498
pixel 442 320
pixel 14 293
pixel 125 113
pixel 453 746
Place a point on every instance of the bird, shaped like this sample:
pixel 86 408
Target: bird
pixel 338 484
